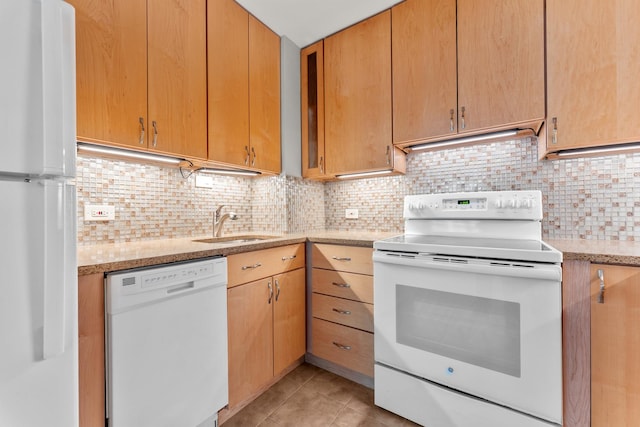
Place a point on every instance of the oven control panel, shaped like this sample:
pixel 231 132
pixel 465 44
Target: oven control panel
pixel 521 205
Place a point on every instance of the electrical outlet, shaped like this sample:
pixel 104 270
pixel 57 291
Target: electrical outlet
pixel 99 212
pixel 351 213
pixel 203 181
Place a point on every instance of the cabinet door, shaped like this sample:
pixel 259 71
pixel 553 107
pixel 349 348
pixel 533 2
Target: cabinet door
pixel 500 63
pixel 177 77
pixel 615 346
pixel 228 61
pixel 424 69
pixel 289 333
pixel 91 350
pixel 111 62
pixel 250 318
pixel 593 64
pixel 312 108
pixel 264 97
pixel 358 97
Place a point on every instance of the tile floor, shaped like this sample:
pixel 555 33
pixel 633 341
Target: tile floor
pixel 309 397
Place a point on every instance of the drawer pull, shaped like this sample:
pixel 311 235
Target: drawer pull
pixel 286 258
pixel 337 310
pixel 341 285
pixel 337 258
pixel 247 267
pixel 342 346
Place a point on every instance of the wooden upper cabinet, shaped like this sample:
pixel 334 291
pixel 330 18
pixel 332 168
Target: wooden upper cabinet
pixel 228 38
pixel 615 344
pixel 357 82
pixel 424 69
pixel 111 71
pixel 312 110
pixel 177 77
pixel 593 64
pixel 264 96
pixel 500 63
pixel 244 89
pixel 142 62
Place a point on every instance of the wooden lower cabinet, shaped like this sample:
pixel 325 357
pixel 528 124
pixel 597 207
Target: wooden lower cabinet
pixel 615 346
pixel 266 321
pixel 342 309
pixel 91 351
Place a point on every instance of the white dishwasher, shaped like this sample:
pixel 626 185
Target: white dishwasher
pixel 167 345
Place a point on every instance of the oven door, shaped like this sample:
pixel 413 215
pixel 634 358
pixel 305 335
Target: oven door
pixel 489 328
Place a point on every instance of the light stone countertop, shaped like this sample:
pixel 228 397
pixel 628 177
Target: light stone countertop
pixel 122 256
pixel 598 251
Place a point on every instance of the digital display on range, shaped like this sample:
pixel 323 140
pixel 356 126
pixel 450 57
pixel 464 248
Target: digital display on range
pixel 464 202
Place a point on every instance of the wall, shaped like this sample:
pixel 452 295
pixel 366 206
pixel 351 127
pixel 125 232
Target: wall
pixel 592 198
pixel 596 198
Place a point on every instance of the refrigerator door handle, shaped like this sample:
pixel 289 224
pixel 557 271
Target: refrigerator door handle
pixel 54 280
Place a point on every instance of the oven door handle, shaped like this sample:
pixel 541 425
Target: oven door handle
pixel 473 265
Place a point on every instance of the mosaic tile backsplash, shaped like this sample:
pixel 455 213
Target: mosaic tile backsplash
pixel 593 198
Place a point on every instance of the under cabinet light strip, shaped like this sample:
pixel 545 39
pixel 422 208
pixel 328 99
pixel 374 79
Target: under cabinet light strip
pixel 227 172
pixel 128 154
pixel 604 150
pixel 459 141
pixel 363 174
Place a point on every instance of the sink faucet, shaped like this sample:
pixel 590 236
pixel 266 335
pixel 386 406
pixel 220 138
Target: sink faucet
pixel 219 219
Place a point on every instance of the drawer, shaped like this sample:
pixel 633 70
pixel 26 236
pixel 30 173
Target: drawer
pixel 357 287
pixel 343 346
pixel 346 312
pixel 250 266
pixel 342 258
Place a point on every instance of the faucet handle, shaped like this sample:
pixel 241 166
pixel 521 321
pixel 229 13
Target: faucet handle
pixel 218 212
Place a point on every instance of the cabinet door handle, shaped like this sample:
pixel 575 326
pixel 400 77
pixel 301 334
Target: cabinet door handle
pixel 155 133
pixel 277 290
pixel 270 291
pixel 253 150
pixel 321 164
pixel 554 131
pixel 601 293
pixel 462 120
pixel 337 258
pixel 342 346
pixel 246 159
pixel 388 155
pixel 249 267
pixel 451 113
pixel 341 285
pixel 141 121
pixel 340 311
pixel 286 258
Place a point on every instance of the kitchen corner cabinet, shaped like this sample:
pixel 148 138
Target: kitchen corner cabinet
pixel 266 319
pixel 141 74
pixel 244 89
pixel 342 306
pixel 357 99
pixel 312 108
pixel 91 350
pixel 498 49
pixel 593 64
pixel 615 346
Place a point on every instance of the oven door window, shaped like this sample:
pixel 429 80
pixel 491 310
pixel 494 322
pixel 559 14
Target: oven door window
pixel 481 331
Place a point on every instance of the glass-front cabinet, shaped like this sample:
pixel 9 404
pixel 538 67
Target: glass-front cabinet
pixel 312 98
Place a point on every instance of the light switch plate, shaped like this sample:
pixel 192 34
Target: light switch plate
pixel 99 212
pixel 351 213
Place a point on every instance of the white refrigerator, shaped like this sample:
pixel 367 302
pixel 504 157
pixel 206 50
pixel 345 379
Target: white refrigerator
pixel 38 267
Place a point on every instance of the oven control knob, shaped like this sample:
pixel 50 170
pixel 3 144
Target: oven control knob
pixel 528 203
pixel 499 204
pixel 513 204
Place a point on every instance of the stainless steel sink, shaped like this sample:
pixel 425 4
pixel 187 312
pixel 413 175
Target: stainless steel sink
pixel 236 239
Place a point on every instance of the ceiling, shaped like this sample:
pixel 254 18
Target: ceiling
pixel 306 21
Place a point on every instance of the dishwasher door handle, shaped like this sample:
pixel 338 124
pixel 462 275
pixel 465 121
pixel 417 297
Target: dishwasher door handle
pixel 181 287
